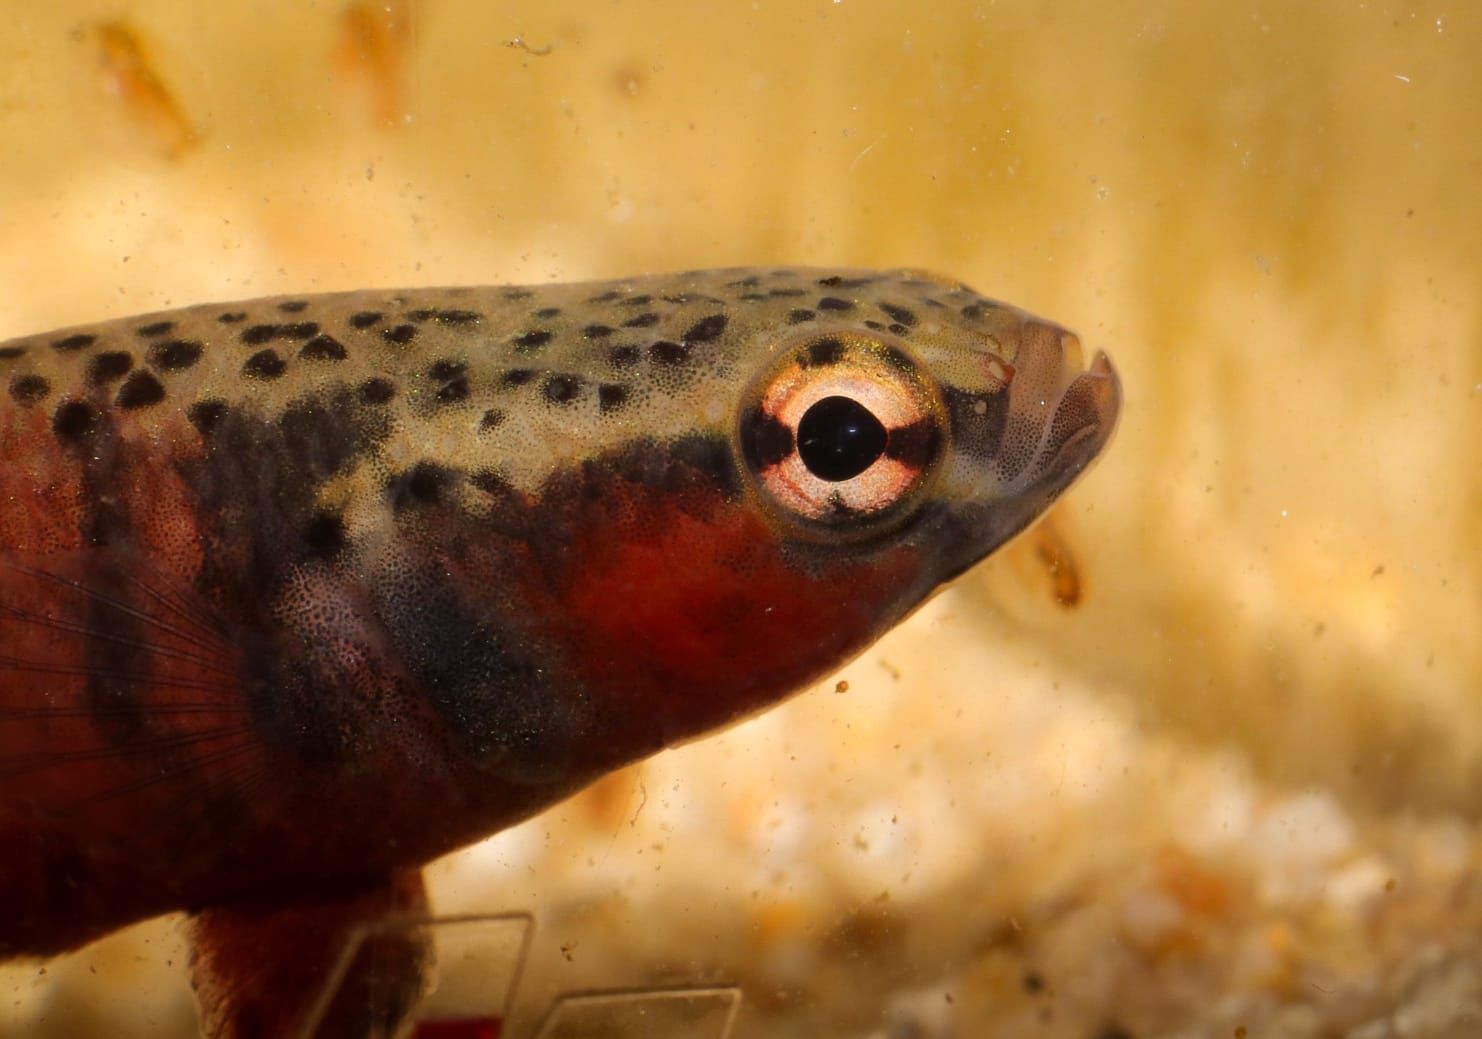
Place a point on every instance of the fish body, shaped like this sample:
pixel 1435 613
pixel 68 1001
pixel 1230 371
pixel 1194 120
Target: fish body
pixel 299 593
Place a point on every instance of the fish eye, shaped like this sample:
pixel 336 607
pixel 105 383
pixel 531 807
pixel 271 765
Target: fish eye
pixel 845 432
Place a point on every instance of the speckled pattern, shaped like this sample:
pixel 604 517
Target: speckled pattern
pixel 348 557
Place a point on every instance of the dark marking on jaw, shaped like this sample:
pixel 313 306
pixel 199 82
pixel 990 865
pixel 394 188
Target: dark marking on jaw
pixel 155 328
pixel 325 535
pixel 79 341
pixel 611 397
pixel 140 390
pixel 29 389
pixel 293 306
pixel 399 335
pixel 705 330
pixel 323 348
pixel 265 364
pixel 176 355
pixel 665 352
pixel 109 367
pixel 532 340
pixel 835 303
pixel 206 415
pixel 821 353
pixel 422 484
pixel 797 317
pixel 74 420
pixel 646 320
pixel 376 391
pixel 765 440
pixel 561 389
pixel 365 319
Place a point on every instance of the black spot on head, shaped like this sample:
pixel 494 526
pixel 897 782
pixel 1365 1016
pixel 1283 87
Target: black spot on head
pixel 532 340
pixel 265 364
pixel 596 332
pixel 175 355
pixel 834 303
pixel 830 281
pixel 155 328
pixel 752 297
pixel 442 371
pixel 873 326
pixel 300 330
pixel 74 420
pixel 561 389
pixel 607 297
pixel 638 301
pixel 231 317
pixel 80 341
pixel 323 348
pixel 623 356
pixel 422 484
pixel 751 281
pixel 376 391
pixel 610 396
pixel 492 419
pixel 787 293
pixel 647 320
pixel 797 317
pixel 665 352
pixel 324 535
pixel 293 306
pixel 765 439
pixel 10 353
pixel 900 330
pixel 517 376
pixel 140 390
pixel 706 329
pixel 454 390
pixel 108 367
pixel 206 414
pixel 399 334
pixel 821 353
pixel 974 311
pixel 517 294
pixel 365 318
pixel 256 335
pixel 28 389
pixel 900 315
pixel 545 313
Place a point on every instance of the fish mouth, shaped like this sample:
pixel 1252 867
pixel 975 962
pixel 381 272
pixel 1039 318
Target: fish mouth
pixel 1061 414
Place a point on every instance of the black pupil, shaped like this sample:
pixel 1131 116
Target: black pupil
pixel 838 439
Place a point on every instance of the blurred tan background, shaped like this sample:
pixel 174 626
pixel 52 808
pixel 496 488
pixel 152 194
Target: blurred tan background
pixel 1234 786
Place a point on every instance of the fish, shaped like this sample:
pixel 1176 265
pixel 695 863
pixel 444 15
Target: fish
pixel 300 593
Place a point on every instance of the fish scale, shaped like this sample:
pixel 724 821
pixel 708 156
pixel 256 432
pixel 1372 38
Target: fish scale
pixel 299 593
